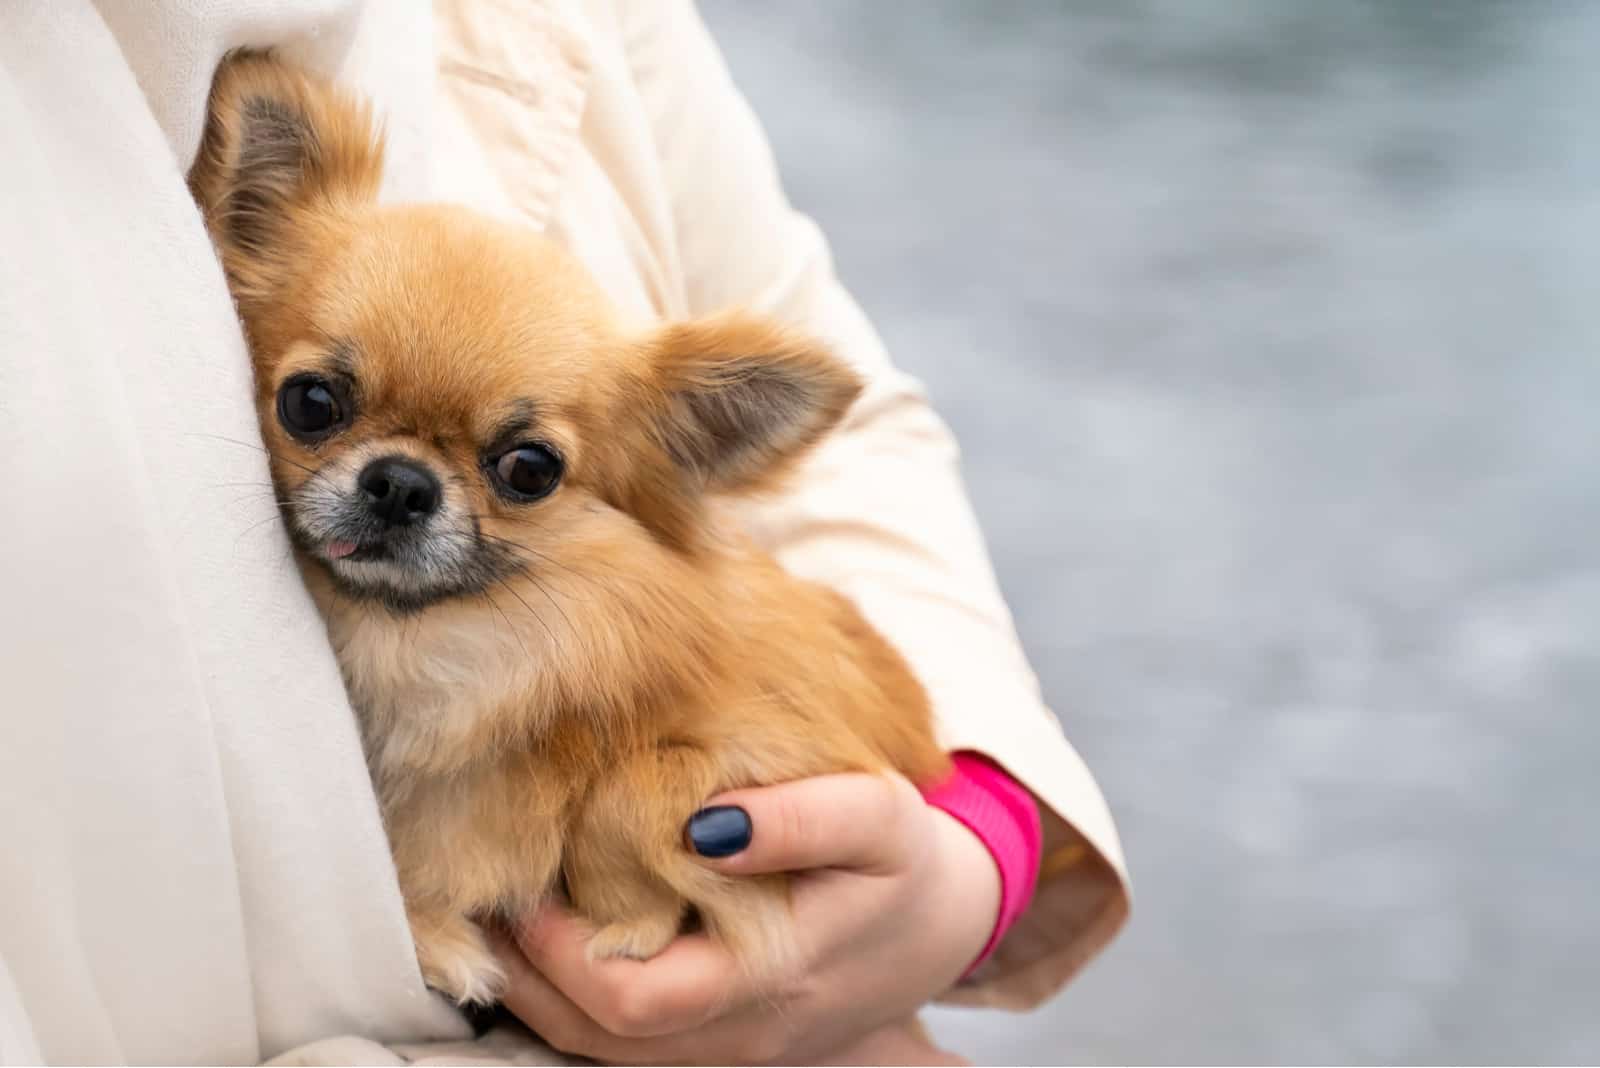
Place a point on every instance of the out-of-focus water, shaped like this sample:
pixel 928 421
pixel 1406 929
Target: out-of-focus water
pixel 1270 332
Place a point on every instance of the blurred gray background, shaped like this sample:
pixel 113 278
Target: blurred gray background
pixel 1270 332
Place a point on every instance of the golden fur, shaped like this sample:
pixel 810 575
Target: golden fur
pixel 560 724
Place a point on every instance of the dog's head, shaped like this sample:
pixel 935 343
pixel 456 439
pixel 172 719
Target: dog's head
pixel 448 399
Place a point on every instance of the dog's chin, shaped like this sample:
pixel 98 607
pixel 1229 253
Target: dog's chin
pixel 375 579
pixel 404 574
pixel 387 577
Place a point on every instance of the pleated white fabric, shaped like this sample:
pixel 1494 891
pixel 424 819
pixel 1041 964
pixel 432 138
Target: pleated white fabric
pixel 191 863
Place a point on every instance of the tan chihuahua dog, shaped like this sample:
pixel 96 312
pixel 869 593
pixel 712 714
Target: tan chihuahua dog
pixel 500 499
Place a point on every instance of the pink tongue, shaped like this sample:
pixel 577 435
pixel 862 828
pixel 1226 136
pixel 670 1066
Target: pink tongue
pixel 338 550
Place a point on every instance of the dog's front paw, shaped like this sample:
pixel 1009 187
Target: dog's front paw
pixel 638 938
pixel 456 961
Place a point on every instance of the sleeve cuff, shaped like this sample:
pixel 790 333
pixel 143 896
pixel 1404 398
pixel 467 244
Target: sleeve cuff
pixel 1004 816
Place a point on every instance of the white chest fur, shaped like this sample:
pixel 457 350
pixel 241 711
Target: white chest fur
pixel 428 687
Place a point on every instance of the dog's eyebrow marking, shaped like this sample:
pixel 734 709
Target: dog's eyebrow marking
pixel 523 418
pixel 342 358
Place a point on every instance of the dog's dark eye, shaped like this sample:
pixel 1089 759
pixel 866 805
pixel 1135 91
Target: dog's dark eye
pixel 527 472
pixel 309 407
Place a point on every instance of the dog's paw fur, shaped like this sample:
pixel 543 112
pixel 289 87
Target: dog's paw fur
pixel 456 960
pixel 639 938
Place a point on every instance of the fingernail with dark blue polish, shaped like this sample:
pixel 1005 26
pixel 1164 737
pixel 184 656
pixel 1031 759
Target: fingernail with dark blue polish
pixel 719 831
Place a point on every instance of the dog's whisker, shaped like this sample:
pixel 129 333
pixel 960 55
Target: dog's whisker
pixel 252 527
pixel 313 472
pixel 536 554
pixel 548 596
pixel 261 495
pixel 530 550
pixel 487 596
pixel 523 601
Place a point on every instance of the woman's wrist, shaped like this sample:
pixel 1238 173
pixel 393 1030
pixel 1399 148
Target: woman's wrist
pixel 1003 815
pixel 965 894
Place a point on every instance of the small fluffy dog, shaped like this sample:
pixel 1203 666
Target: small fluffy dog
pixel 503 503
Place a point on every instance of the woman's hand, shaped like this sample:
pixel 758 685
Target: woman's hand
pixel 892 901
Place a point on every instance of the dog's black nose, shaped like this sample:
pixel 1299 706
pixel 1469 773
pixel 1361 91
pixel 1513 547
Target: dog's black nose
pixel 399 491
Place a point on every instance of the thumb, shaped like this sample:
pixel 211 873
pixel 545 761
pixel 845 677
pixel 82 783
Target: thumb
pixel 855 821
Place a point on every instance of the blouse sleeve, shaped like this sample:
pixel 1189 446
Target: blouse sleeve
pixel 879 513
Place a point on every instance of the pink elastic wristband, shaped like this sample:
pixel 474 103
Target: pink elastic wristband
pixel 1005 817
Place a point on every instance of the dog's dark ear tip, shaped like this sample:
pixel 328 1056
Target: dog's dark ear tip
pixel 273 133
pixel 745 399
pixel 258 109
pixel 277 149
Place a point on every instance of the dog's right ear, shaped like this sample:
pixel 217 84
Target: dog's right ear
pixel 276 142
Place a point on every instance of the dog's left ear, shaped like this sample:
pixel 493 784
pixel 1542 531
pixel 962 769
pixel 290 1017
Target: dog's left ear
pixel 741 399
pixel 278 143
